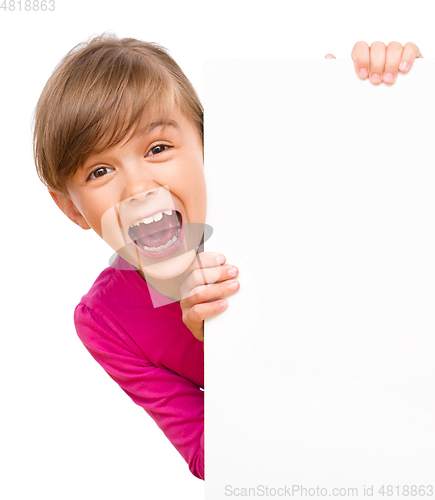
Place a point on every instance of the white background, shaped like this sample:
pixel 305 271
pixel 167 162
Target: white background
pixel 67 430
pixel 325 354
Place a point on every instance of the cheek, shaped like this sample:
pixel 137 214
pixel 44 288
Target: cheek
pixel 185 180
pixel 111 230
pixel 103 219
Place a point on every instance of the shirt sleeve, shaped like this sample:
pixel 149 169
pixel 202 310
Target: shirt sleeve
pixel 175 403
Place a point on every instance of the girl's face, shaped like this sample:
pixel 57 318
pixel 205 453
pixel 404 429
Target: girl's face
pixel 145 196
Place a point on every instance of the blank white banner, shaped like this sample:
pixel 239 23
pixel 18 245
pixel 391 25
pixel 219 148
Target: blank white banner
pixel 321 373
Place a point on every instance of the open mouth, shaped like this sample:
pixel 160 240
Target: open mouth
pixel 157 234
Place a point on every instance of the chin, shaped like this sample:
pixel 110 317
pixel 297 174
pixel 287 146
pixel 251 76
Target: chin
pixel 170 268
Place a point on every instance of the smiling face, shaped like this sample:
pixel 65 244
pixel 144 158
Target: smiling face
pixel 145 196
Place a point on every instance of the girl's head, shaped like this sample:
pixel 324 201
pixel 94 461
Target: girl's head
pixel 118 139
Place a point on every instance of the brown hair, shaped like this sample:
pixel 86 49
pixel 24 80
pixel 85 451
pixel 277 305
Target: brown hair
pixel 96 96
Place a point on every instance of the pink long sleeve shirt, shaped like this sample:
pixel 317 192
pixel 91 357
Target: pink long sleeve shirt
pixel 150 353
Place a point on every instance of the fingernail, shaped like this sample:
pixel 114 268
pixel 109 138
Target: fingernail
pixel 363 73
pixel 388 77
pixel 233 271
pixel 404 66
pixel 220 259
pixel 234 286
pixel 223 304
pixel 376 78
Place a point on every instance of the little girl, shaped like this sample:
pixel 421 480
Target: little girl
pixel 118 141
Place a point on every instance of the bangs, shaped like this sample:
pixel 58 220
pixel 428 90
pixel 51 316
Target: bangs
pixel 115 104
pixel 125 110
pixel 119 123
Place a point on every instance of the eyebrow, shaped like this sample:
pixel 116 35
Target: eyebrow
pixel 160 123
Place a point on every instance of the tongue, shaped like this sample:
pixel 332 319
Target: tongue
pixel 157 233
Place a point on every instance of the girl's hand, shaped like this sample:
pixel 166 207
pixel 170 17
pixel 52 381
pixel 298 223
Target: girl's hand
pixel 208 281
pixel 380 63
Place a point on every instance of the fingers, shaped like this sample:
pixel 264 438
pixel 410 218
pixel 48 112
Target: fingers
pixel 377 62
pixel 198 273
pixel 199 307
pixel 207 276
pixel 202 308
pixel 392 61
pixel 410 53
pixel 196 291
pixel 209 280
pixel 330 56
pixel 361 58
pixel 369 62
pixel 207 267
pixel 201 276
pixel 200 312
pixel 380 63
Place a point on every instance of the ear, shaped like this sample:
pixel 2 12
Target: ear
pixel 65 203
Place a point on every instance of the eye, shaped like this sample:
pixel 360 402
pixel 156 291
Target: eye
pixel 100 172
pixel 158 149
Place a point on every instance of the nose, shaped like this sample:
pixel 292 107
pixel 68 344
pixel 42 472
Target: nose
pixel 138 184
pixel 141 195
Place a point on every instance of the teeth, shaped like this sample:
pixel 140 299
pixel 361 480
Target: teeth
pixel 153 218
